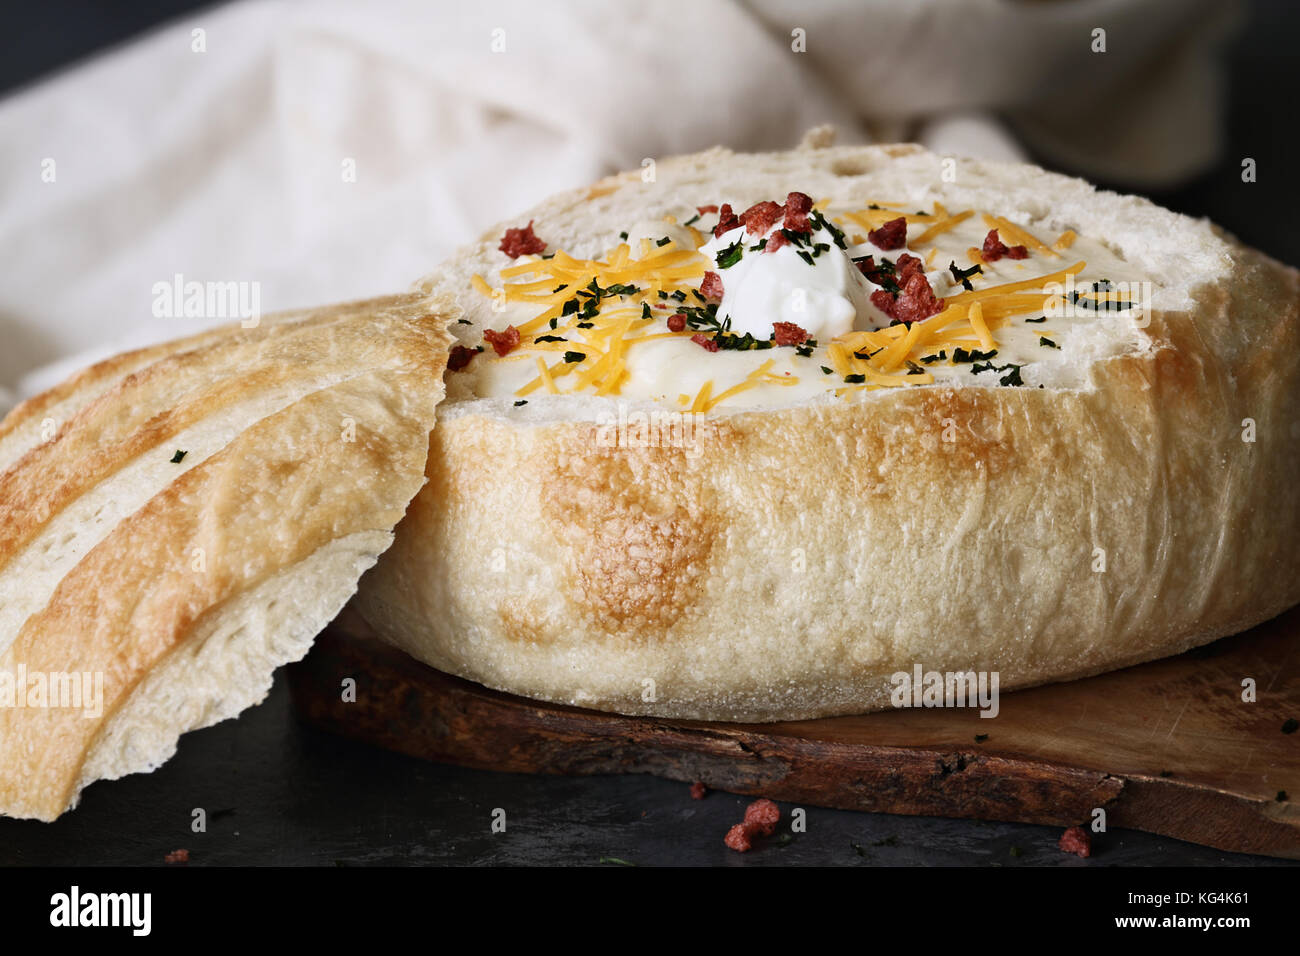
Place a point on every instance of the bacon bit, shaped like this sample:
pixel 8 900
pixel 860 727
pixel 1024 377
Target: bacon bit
pixel 775 241
pixel 727 220
pixel 704 342
pixel 915 302
pixel 711 287
pixel 177 856
pixel 698 790
pixel 787 333
pixel 1077 841
pixel 521 242
pixel 884 301
pixel 677 323
pixel 503 342
pixel 737 839
pixel 762 816
pixel 797 207
pixel 867 267
pixel 906 266
pixel 759 217
pixel 892 235
pixel 460 357
pixel 705 209
pixel 994 249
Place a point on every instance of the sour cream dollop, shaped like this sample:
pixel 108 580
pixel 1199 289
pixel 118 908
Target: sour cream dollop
pixel 826 298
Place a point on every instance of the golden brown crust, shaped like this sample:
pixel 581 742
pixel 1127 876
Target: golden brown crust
pixel 339 457
pixel 798 557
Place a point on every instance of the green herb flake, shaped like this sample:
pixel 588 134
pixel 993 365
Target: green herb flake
pixel 522 401
pixel 550 338
pixel 176 458
pixel 820 221
pixel 571 357
pixel 856 378
pixel 1012 377
pixel 1037 321
pixel 729 256
pixel 963 275
pixel 1047 343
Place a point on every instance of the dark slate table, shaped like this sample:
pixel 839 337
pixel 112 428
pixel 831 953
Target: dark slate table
pixel 276 792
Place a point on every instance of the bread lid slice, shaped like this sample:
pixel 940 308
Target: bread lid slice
pixel 181 520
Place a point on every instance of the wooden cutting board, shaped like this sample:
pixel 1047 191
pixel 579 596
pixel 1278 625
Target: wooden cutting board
pixel 1168 747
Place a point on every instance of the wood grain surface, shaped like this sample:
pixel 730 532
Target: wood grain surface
pixel 1168 747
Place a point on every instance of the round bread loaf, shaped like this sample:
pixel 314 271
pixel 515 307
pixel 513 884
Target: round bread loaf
pixel 1123 493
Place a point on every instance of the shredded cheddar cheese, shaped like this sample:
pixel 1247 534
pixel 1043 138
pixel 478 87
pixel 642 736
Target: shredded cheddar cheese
pixel 943 225
pixel 585 317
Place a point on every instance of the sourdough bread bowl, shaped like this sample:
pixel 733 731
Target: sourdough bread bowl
pixel 181 520
pixel 1123 491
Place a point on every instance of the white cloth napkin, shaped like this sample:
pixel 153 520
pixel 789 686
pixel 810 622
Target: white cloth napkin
pixel 219 147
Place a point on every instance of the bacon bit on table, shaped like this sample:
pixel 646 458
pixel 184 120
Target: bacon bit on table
pixel 761 818
pixel 1077 841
